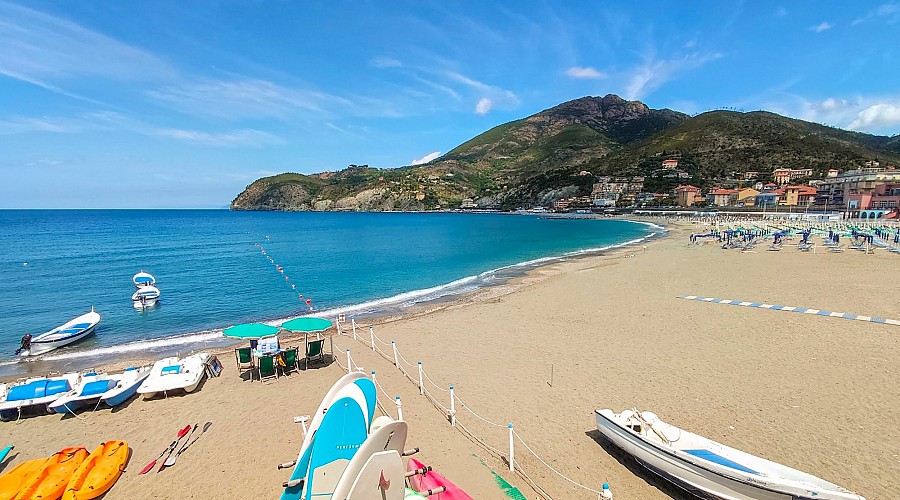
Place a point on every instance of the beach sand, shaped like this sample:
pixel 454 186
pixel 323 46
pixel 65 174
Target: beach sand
pixel 814 393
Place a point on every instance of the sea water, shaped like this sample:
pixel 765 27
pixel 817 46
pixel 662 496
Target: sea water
pixel 217 268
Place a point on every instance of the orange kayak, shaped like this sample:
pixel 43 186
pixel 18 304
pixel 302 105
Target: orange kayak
pixel 99 472
pixel 12 481
pixel 50 481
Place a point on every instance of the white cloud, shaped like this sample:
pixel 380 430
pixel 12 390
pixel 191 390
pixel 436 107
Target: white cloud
pixel 427 158
pixel 877 116
pixel 484 105
pixel 585 72
pixel 651 74
pixel 25 125
pixel 831 104
pixel 823 26
pixel 245 137
pixel 385 62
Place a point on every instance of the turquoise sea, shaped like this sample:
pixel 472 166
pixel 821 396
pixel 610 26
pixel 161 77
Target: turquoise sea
pixel 209 266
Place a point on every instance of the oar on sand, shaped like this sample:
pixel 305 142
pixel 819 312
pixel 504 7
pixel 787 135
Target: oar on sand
pixel 181 434
pixel 171 461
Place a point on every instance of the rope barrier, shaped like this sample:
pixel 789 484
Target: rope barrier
pixel 516 434
pixel 425 374
pixel 479 417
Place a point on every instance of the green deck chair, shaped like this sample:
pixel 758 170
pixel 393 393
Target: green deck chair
pixel 244 359
pixel 290 359
pixel 266 368
pixel 314 349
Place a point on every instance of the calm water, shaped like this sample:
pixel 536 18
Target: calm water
pixel 212 274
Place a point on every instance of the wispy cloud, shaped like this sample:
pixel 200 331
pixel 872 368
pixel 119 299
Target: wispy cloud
pixel 45 50
pixel 385 62
pixel 872 114
pixel 781 11
pixel 652 73
pixel 427 158
pixel 888 13
pixel 245 137
pixel 236 99
pixel 585 72
pixel 490 96
pixel 823 26
pixel 25 125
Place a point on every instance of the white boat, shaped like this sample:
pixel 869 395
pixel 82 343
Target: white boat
pixel 173 373
pixel 95 388
pixel 145 296
pixel 708 469
pixel 69 332
pixel 38 391
pixel 143 279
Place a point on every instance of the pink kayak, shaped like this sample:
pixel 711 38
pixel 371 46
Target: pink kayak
pixel 431 480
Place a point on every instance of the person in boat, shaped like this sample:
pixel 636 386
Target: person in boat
pixel 26 343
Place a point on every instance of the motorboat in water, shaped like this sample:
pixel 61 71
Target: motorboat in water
pixel 708 469
pixel 35 392
pixel 143 279
pixel 67 333
pixel 174 373
pixel 145 296
pixel 95 388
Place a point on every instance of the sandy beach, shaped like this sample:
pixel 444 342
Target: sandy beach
pixel 815 393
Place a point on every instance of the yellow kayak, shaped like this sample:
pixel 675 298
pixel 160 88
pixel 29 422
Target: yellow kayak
pixel 13 480
pixel 50 481
pixel 99 472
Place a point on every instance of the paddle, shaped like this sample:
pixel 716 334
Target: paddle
pixel 169 449
pixel 188 445
pixel 170 460
pixel 172 450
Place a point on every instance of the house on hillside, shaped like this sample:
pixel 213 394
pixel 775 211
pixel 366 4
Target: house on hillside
pixel 722 197
pixel 797 196
pixel 747 197
pixel 687 195
pixel 670 164
pixel 786 175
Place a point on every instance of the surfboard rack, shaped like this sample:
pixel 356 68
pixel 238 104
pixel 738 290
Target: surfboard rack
pixel 413 451
pixel 287 465
pixel 419 472
pixel 434 491
pixel 293 482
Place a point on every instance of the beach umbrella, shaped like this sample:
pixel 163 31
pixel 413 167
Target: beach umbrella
pixel 250 331
pixel 307 325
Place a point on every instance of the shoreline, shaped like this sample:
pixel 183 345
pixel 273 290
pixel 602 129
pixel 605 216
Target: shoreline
pixel 510 278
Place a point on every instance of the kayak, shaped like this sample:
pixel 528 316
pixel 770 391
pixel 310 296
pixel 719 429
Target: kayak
pixel 50 481
pixel 431 480
pixel 12 480
pixel 99 472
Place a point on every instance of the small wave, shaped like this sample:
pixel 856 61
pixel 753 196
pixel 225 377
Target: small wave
pixel 140 345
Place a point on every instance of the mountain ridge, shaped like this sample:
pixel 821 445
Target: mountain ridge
pixel 534 159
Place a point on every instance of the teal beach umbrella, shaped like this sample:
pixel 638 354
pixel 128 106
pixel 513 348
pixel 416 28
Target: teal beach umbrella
pixel 307 325
pixel 250 331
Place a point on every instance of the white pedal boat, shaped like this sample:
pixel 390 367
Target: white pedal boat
pixel 94 388
pixel 173 373
pixel 708 469
pixel 34 392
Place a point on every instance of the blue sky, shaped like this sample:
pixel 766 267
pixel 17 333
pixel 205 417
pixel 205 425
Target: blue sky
pixel 182 104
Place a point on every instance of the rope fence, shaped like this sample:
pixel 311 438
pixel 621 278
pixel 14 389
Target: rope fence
pixel 395 357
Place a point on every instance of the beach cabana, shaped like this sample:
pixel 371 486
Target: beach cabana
pixel 306 326
pixel 250 332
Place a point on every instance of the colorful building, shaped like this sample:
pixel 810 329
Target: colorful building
pixel 867 193
pixel 687 195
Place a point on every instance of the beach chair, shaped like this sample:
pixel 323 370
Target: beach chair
pixel 289 358
pixel 244 358
pixel 314 349
pixel 266 368
pixel 836 249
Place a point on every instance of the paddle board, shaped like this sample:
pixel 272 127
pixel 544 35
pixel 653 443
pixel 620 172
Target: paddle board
pixel 389 437
pixel 430 480
pixel 4 452
pixel 380 477
pixel 368 390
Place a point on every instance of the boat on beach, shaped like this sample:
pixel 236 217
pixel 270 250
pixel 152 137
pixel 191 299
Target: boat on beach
pixel 36 392
pixel 708 469
pixel 143 279
pixel 94 388
pixel 67 333
pixel 174 373
pixel 145 296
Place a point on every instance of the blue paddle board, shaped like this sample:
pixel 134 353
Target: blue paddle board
pixel 4 452
pixel 368 389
